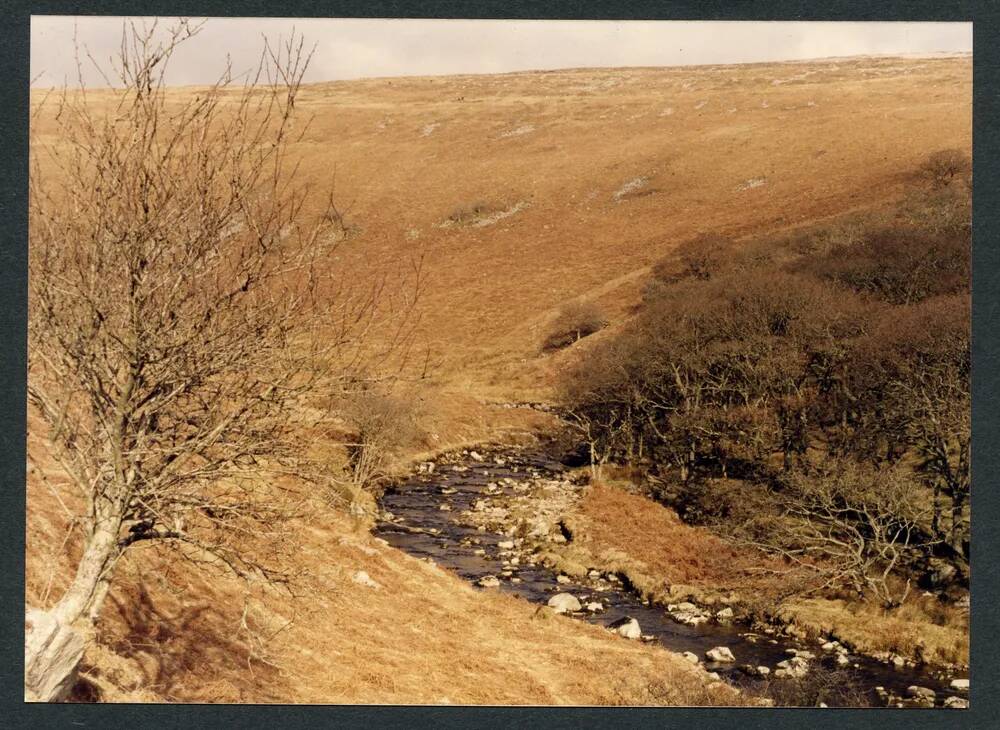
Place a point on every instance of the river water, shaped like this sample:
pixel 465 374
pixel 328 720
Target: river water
pixel 421 528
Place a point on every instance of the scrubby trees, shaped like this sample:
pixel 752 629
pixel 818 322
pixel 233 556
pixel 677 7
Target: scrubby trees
pixel 575 320
pixel 841 345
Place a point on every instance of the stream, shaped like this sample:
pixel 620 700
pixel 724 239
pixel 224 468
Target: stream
pixel 421 517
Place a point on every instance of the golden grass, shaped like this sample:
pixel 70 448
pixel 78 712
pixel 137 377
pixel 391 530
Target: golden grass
pixel 172 633
pixel 922 627
pixel 665 558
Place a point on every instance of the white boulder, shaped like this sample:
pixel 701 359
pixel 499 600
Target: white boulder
pixel 720 654
pixel 564 603
pixel 363 579
pixel 627 627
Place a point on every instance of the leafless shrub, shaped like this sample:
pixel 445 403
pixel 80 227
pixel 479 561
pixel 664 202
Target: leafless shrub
pixel 471 212
pixel 575 321
pixel 381 422
pixel 944 166
pixel 831 687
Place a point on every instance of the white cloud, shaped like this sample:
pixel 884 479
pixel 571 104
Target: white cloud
pixel 354 48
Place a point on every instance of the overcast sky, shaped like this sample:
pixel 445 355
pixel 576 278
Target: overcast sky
pixel 356 48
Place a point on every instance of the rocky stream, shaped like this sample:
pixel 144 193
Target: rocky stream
pixel 452 512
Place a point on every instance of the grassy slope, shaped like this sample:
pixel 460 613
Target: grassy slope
pixel 825 137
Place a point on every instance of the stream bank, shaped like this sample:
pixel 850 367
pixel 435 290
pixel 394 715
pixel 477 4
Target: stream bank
pixel 456 512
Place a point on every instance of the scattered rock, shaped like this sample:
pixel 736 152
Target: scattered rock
pixel 562 578
pixel 444 507
pixel 595 607
pixel 795 667
pixel 476 456
pixel 362 578
pixel 842 660
pixel 506 544
pixel 920 692
pixel 691 657
pixel 725 614
pixel 960 684
pixel 800 653
pixel 956 703
pixel 564 603
pixel 489 581
pixel 720 654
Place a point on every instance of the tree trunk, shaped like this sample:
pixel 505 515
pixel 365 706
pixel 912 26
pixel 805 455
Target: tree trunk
pixel 52 653
pixel 85 594
pixel 957 531
pixel 54 640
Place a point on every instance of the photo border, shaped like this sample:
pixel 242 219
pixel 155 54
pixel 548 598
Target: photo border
pixel 14 86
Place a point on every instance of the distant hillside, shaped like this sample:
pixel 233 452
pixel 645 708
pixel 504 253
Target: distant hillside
pixel 524 190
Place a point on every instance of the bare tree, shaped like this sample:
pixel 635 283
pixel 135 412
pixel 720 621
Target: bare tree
pixel 854 527
pixel 179 316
